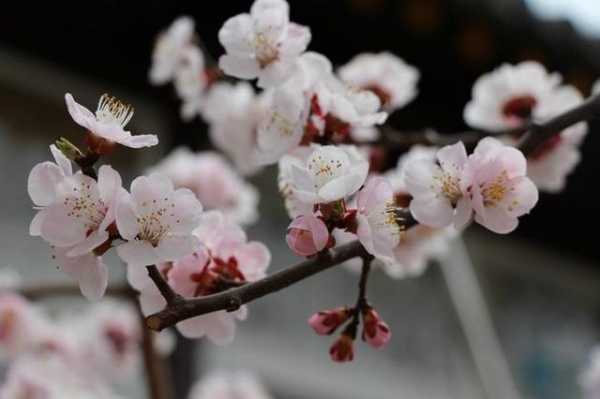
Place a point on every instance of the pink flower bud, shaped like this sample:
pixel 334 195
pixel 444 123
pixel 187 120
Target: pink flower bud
pixel 307 235
pixel 327 321
pixel 376 332
pixel 342 349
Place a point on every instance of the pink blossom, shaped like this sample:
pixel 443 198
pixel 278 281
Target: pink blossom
pixel 157 220
pixel 330 173
pixel 170 48
pixel 227 258
pixel 342 349
pixel 109 122
pixel 500 191
pixel 510 95
pixel 307 235
pixel 378 226
pixel 375 331
pixel 229 385
pixel 42 183
pixel 262 44
pixel 216 185
pixel 437 189
pixel 385 74
pixel 326 322
pixel 82 211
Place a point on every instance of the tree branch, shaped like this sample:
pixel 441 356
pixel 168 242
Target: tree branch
pixel 179 308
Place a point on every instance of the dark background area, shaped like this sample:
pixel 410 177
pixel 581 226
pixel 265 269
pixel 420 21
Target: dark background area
pixel 452 42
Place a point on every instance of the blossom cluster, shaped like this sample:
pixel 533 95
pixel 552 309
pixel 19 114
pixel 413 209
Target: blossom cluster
pixel 159 221
pixel 324 129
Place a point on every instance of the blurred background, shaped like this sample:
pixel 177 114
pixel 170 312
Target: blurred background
pixel 542 283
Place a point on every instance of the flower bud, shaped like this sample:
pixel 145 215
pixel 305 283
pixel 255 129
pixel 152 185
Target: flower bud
pixel 307 235
pixel 342 349
pixel 376 332
pixel 327 321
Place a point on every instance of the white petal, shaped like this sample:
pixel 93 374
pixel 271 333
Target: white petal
pixel 176 247
pixel 93 278
pixel 452 157
pixel 137 253
pixel 432 211
pixel 109 183
pixel 126 217
pixel 464 212
pixel 61 229
pixel 239 67
pixel 237 33
pixel 35 227
pixel 42 182
pixel 497 220
pixel 140 141
pixel 61 160
pixel 81 115
pixel 89 244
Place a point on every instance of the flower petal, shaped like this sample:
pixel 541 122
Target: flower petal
pixel 139 253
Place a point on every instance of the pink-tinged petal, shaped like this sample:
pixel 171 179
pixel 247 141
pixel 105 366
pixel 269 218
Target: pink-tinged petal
pixel 497 220
pixel 93 278
pixel 432 211
pixel 254 259
pixel 81 115
pixel 89 244
pixel 140 141
pixel 239 67
pixel 377 191
pixel 524 197
pixel 61 160
pixel 275 73
pixel 187 211
pixel 109 183
pixel 179 275
pixel 242 313
pixel 35 227
pixel 364 234
pixel 176 247
pixel 453 156
pixel 139 253
pixel 296 41
pixel 341 187
pixel 137 276
pixel 195 327
pixel 42 182
pixel 126 217
pixel 513 161
pixel 418 176
pixel 145 189
pixel 61 229
pixel 464 212
pixel 236 34
pixel 487 146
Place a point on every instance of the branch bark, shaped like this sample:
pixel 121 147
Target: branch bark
pixel 179 308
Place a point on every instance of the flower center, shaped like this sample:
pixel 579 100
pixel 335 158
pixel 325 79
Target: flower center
pixel 112 111
pixel 86 205
pixel 325 167
pixel 519 108
pixel 267 52
pixel 449 186
pixel 495 191
pixel 154 225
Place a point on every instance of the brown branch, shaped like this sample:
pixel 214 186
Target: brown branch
pixel 180 309
pixel 231 300
pixel 153 364
pixel 361 301
pixel 165 289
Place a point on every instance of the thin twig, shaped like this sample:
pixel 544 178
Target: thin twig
pixel 165 289
pixel 535 134
pixel 361 300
